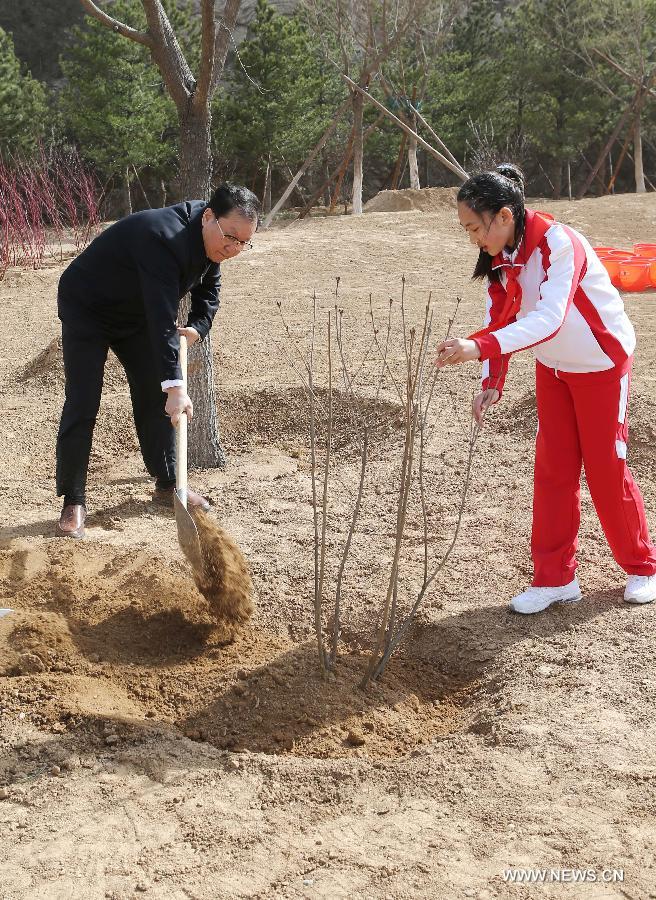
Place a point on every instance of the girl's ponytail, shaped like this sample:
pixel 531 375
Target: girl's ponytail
pixel 512 173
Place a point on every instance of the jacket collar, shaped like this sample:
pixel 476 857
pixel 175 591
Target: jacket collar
pixel 536 226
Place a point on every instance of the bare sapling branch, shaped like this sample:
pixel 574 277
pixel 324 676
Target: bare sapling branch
pixel 403 365
pixel 412 417
pixel 429 577
pixel 326 473
pixel 347 546
pixel 318 624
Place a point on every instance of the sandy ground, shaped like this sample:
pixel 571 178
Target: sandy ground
pixel 145 752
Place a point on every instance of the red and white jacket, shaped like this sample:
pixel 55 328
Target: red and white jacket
pixel 554 296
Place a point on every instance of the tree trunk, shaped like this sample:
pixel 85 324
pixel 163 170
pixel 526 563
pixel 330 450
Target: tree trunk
pixel 126 195
pixel 343 166
pixel 558 180
pixel 412 160
pixel 358 152
pixel 606 151
pixel 195 154
pixel 266 200
pixel 637 159
pixel 327 181
pixel 205 451
pixel 396 172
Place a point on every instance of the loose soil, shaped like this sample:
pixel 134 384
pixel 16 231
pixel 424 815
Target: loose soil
pixel 147 748
pixel 430 200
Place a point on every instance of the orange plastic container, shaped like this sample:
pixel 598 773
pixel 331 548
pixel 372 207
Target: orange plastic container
pixel 645 250
pixel 603 251
pixel 652 272
pixel 621 254
pixel 635 276
pixel 612 266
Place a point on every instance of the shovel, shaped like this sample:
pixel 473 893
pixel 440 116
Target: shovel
pixel 187 531
pixel 219 568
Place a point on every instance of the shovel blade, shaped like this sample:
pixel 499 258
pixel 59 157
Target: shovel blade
pixel 187 534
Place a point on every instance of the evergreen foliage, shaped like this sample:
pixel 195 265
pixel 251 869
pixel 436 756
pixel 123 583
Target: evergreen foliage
pixel 23 109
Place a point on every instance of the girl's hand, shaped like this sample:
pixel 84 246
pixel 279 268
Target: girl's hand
pixel 456 350
pixel 482 402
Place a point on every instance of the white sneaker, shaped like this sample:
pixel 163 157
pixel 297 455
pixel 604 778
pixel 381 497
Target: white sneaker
pixel 535 599
pixel 640 589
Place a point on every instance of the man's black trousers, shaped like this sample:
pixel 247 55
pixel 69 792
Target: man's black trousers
pixel 85 352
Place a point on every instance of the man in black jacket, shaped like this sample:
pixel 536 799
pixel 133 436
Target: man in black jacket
pixel 123 293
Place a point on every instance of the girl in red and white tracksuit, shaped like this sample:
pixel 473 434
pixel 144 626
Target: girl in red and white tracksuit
pixel 547 290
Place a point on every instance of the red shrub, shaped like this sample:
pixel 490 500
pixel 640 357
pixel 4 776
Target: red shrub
pixel 43 201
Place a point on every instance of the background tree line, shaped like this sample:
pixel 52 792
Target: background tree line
pixel 543 82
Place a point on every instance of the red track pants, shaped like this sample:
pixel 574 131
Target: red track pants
pixel 582 419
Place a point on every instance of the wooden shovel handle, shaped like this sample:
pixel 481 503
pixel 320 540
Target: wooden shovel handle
pixel 181 455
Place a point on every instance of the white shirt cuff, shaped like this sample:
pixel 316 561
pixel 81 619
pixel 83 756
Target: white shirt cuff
pixel 175 382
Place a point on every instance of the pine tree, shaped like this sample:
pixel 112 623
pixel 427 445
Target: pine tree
pixel 112 103
pixel 281 96
pixel 22 104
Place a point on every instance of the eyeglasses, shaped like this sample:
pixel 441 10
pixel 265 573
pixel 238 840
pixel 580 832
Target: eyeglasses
pixel 242 245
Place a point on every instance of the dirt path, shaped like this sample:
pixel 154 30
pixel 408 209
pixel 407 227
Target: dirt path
pixel 144 752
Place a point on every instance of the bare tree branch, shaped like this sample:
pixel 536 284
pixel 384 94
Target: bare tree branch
pixel 347 547
pixel 139 37
pixel 436 153
pixel 323 140
pixel 639 82
pixel 216 38
pixel 168 55
pixel 224 38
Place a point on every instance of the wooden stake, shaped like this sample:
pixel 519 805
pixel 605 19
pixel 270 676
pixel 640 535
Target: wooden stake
pixel 620 159
pixel 390 115
pixel 634 106
pixel 341 172
pixel 316 149
pixel 338 175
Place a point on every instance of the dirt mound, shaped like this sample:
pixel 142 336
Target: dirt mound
pixel 101 637
pixel 47 367
pixel 46 364
pixel 642 433
pixel 518 416
pixel 425 200
pixel 280 417
pixel 36 643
